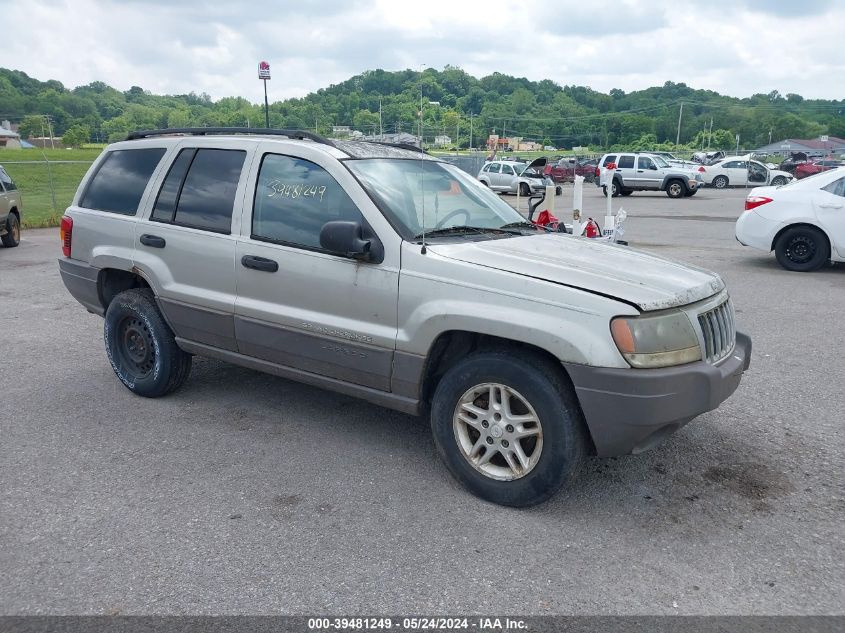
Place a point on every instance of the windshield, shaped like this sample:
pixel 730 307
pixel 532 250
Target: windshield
pixel 430 195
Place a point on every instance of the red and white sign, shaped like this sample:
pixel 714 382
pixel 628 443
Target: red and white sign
pixel 263 70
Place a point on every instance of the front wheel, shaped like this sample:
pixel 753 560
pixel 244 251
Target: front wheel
pixel 802 249
pixel 508 428
pixel 627 192
pixel 141 347
pixel 13 232
pixel 675 189
pixel 524 189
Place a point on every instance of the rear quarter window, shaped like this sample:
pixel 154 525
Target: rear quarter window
pixel 121 178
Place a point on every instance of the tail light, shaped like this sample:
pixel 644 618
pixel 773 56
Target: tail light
pixel 752 202
pixel 65 233
pixel 701 169
pixel 598 171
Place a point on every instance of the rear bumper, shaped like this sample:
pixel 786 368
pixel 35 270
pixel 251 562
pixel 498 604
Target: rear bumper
pixel 632 410
pixel 81 281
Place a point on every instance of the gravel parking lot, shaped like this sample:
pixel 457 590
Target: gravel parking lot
pixel 246 493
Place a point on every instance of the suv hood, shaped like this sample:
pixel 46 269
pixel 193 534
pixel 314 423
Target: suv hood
pixel 647 281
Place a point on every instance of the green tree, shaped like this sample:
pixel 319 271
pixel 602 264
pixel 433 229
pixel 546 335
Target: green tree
pixel 76 135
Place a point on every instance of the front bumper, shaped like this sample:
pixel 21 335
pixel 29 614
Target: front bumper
pixel 631 410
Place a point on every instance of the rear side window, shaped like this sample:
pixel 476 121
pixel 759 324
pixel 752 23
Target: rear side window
pixel 120 181
pixel 626 162
pixel 6 181
pixel 199 190
pixel 608 160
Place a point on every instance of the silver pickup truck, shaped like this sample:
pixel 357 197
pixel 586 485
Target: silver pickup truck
pixel 384 273
pixel 10 210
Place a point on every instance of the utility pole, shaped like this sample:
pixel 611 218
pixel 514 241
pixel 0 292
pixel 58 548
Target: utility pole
pixel 458 133
pixel 470 129
pixel 50 129
pixel 680 114
pixel 380 128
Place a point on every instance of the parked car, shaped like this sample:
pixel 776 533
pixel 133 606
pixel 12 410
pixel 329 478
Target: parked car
pixel 802 222
pixel 505 176
pixel 708 158
pixel 11 211
pixel 648 172
pixel 795 159
pixel 740 171
pixel 393 276
pixel 810 168
pixel 670 158
pixel 565 170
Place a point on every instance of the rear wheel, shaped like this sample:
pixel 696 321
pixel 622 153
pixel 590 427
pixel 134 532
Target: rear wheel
pixel 141 347
pixel 777 181
pixel 627 192
pixel 13 232
pixel 675 189
pixel 720 182
pixel 508 428
pixel 802 249
pixel 524 189
pixel 615 191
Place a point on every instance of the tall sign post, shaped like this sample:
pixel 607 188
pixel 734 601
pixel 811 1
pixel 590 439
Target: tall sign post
pixel 264 75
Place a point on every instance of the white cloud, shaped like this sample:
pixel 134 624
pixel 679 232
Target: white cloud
pixel 737 48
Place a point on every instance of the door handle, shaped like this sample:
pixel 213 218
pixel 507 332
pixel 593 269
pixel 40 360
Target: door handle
pixel 830 205
pixel 153 241
pixel 639 171
pixel 259 263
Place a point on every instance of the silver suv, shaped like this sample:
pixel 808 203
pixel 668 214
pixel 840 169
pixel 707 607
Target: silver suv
pixel 10 211
pixel 387 274
pixel 636 171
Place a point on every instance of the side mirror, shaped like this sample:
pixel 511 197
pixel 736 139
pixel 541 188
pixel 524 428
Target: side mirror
pixel 653 167
pixel 352 240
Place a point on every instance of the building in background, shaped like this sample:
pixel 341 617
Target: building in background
pixel 822 146
pixel 8 138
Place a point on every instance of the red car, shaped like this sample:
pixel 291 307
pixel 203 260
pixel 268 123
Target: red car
pixel 566 169
pixel 803 170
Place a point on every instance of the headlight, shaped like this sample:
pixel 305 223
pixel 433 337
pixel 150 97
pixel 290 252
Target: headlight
pixel 661 340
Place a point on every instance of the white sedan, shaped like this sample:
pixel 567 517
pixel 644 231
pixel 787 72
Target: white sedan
pixel 802 222
pixel 741 171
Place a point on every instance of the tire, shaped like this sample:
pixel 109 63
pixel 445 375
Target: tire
pixel 777 181
pixel 615 189
pixel 524 189
pixel 627 192
pixel 548 458
pixel 802 249
pixel 720 182
pixel 141 347
pixel 13 232
pixel 675 189
pixel 691 193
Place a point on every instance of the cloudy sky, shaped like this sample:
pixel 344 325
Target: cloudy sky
pixel 736 47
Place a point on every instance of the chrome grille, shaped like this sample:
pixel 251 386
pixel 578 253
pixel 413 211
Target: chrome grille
pixel 717 326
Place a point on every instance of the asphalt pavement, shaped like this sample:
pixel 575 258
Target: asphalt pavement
pixel 247 493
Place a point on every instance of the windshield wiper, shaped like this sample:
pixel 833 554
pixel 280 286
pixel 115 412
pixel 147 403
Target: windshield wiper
pixel 519 224
pixel 457 230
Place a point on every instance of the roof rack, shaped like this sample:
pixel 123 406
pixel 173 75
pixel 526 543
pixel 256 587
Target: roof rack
pixel 206 131
pixel 408 146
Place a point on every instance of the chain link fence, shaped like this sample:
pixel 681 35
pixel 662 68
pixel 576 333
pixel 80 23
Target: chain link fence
pixel 46 187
